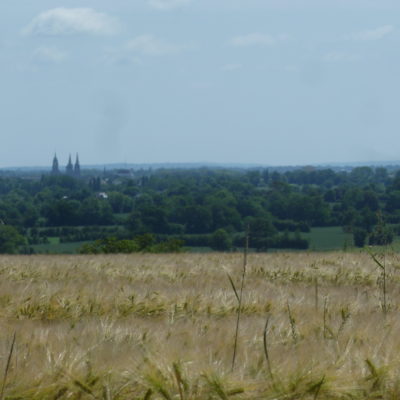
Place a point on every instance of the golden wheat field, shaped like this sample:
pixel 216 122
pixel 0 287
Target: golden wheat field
pixel 163 327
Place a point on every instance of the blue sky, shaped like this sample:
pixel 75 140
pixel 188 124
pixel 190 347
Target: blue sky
pixel 276 82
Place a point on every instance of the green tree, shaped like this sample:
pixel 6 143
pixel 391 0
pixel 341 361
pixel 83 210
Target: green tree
pixel 381 235
pixel 63 212
pixel 10 239
pixel 220 240
pixel 145 241
pixel 197 219
pixel 262 232
pixel 120 203
pixel 359 237
pixel 148 218
pixel 95 212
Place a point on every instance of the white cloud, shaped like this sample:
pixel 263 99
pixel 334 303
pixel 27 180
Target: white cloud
pixel 69 21
pixel 50 54
pixel 167 4
pixel 373 34
pixel 152 46
pixel 257 39
pixel 144 45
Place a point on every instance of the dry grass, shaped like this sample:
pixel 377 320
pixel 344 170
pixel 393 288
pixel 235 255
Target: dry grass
pixel 162 327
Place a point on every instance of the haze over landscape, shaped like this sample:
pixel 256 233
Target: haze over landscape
pixel 199 199
pixel 227 81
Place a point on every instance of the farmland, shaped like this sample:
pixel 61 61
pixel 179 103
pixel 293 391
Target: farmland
pixel 146 326
pixel 320 239
pixel 298 209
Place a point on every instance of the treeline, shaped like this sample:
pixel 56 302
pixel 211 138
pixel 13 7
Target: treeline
pixel 276 206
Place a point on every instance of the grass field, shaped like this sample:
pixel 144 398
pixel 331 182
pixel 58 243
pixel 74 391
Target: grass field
pixel 321 239
pixel 329 238
pixel 162 327
pixel 334 238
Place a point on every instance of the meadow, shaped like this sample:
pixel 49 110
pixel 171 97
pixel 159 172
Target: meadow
pixel 320 239
pixel 146 326
pixel 330 238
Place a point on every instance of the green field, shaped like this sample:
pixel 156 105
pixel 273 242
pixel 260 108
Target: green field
pixel 334 238
pixel 329 238
pixel 321 239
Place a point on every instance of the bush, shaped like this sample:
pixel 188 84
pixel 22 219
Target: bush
pixel 10 239
pixel 109 246
pixel 169 246
pixel 221 240
pixel 381 236
pixel 359 237
pixel 200 240
pixel 286 241
pixel 143 243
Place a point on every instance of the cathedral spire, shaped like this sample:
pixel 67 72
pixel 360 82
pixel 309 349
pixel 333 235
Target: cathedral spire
pixel 54 169
pixel 77 167
pixel 69 168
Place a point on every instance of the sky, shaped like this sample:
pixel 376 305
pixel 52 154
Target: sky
pixel 273 82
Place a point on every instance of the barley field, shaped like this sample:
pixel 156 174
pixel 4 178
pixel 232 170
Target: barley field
pixel 312 326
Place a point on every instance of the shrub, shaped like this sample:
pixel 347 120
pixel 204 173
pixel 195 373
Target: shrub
pixel 143 243
pixel 169 246
pixel 110 246
pixel 221 240
pixel 359 237
pixel 381 236
pixel 10 239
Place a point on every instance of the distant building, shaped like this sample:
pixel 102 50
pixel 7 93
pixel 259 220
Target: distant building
pixel 54 169
pixel 70 169
pixel 77 167
pixel 102 195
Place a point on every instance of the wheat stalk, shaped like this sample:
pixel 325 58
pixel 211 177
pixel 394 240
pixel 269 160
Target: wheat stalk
pixel 7 366
pixel 240 297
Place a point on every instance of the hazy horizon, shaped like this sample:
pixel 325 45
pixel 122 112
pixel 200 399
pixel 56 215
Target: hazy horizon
pixel 200 164
pixel 268 82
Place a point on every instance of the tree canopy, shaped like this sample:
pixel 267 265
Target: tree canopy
pixel 191 203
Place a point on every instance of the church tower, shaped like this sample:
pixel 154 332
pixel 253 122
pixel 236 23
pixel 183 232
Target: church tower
pixel 69 169
pixel 54 169
pixel 77 167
